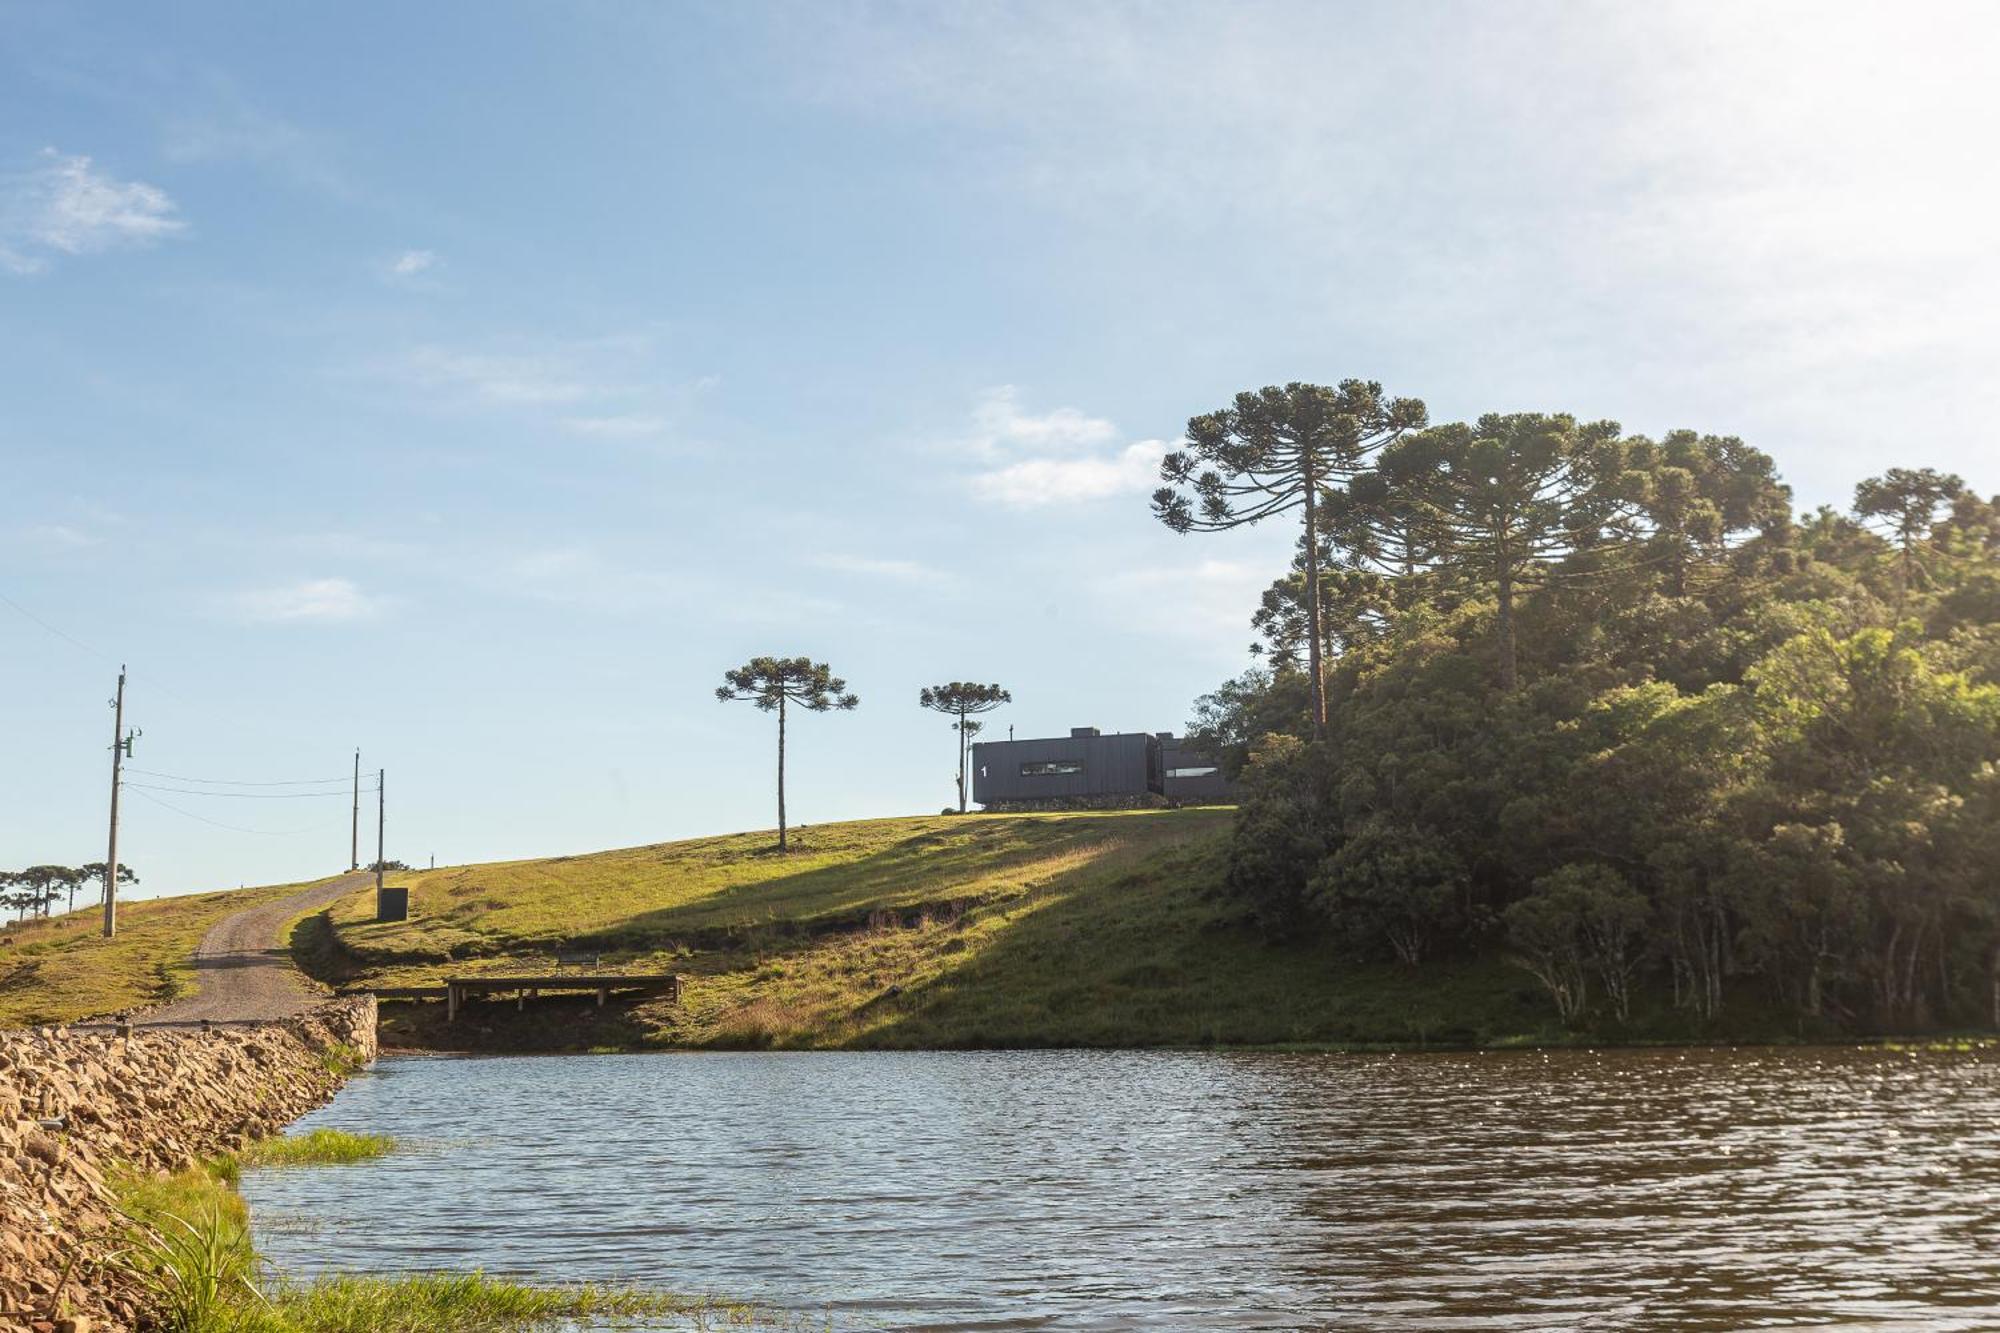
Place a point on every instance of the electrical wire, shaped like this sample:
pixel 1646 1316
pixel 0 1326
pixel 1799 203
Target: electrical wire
pixel 106 658
pixel 244 795
pixel 343 780
pixel 74 643
pixel 233 828
pixel 142 790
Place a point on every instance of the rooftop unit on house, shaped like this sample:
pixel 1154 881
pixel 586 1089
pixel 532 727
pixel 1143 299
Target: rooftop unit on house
pixel 1090 770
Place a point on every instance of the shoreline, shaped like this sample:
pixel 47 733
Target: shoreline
pixel 1943 1040
pixel 80 1106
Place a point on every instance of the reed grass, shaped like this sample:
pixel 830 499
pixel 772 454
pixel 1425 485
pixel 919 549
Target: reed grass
pixel 475 1303
pixel 317 1147
pixel 189 1249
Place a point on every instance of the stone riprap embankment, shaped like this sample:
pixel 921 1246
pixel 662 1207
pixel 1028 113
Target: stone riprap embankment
pixel 77 1105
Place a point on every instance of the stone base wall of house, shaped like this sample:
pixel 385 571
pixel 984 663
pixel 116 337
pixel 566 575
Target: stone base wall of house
pixel 78 1104
pixel 1151 800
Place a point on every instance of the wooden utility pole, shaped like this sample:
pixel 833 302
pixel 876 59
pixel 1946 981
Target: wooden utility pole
pixel 381 815
pixel 354 841
pixel 119 744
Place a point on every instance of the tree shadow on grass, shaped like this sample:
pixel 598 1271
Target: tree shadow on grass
pixel 954 866
pixel 1156 955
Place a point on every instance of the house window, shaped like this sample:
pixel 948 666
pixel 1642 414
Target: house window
pixel 1050 768
pixel 1192 772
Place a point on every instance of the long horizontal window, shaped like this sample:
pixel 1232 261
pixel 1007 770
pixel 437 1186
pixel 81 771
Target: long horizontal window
pixel 1192 772
pixel 1050 768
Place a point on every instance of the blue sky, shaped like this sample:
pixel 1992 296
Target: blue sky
pixel 472 384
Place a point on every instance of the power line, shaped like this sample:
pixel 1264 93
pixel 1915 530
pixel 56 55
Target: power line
pixel 239 795
pixel 232 782
pixel 74 643
pixel 233 828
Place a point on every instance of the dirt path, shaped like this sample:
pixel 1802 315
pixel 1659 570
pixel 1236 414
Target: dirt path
pixel 244 970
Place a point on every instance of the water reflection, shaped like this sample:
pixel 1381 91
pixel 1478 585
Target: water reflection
pixel 1082 1190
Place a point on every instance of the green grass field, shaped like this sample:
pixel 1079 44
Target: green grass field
pixel 62 969
pixel 1099 929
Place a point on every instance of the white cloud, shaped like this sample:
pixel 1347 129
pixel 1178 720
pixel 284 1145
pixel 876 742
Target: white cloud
pixel 1034 482
pixel 222 126
pixel 67 206
pixel 325 600
pixel 539 379
pixel 902 571
pixel 1000 426
pixel 624 426
pixel 1771 218
pixel 410 263
pixel 1204 601
pixel 1054 457
pixel 583 577
pixel 59 535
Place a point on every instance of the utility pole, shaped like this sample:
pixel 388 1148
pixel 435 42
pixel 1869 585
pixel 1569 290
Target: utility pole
pixel 354 841
pixel 121 745
pixel 381 816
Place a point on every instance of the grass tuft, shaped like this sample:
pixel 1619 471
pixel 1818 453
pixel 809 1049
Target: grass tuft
pixel 189 1248
pixel 318 1147
pixel 475 1303
pixel 341 1059
pixel 190 1251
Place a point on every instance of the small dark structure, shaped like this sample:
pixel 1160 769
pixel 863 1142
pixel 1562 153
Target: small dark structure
pixel 392 904
pixel 1089 770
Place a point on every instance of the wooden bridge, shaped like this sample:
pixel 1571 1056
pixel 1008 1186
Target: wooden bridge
pixel 456 991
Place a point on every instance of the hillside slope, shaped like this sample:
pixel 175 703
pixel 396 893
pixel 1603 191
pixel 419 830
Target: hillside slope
pixel 62 969
pixel 978 930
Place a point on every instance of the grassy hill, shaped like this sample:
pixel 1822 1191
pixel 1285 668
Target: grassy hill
pixel 62 969
pixel 976 930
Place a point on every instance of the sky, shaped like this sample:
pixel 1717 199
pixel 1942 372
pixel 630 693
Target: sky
pixel 473 383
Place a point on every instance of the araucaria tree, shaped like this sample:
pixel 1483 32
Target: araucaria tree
pixel 960 701
pixel 1507 500
pixel 1906 505
pixel 1277 451
pixel 777 684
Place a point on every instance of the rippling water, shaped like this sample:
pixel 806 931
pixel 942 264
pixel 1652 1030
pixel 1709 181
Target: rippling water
pixel 1081 1190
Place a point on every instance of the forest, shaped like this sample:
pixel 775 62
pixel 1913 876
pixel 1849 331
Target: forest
pixel 1608 704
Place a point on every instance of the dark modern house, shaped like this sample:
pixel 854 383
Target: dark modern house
pixel 1087 769
pixel 1193 777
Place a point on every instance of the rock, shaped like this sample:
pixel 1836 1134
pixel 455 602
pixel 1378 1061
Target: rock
pixel 155 1101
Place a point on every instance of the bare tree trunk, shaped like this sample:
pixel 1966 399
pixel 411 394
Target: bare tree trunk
pixel 781 773
pixel 1509 667
pixel 961 761
pixel 1316 663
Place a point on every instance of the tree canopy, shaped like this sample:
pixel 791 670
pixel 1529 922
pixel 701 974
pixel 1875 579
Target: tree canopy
pixel 1603 703
pixel 778 684
pixel 962 701
pixel 1276 451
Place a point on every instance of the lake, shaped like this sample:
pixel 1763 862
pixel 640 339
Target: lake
pixel 1176 1190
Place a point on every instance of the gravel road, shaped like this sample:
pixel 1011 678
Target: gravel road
pixel 244 970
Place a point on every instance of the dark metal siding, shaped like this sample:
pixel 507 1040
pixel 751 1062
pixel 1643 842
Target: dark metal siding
pixel 1124 765
pixel 1208 787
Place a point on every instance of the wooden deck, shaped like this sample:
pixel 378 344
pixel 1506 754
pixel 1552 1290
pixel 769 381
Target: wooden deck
pixel 456 991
